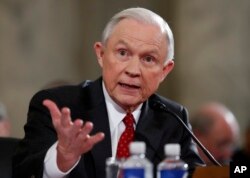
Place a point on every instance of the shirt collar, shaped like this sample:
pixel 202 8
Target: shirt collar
pixel 115 112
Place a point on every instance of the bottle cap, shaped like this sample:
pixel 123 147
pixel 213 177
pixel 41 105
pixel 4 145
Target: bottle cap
pixel 172 149
pixel 137 147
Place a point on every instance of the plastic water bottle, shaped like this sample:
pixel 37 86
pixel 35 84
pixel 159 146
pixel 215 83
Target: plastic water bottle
pixel 172 166
pixel 137 165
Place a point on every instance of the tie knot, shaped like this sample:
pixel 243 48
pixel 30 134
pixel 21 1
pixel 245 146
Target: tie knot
pixel 129 120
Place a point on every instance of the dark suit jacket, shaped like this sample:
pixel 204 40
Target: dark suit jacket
pixel 86 101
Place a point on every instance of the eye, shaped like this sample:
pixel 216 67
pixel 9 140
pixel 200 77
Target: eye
pixel 123 52
pixel 149 59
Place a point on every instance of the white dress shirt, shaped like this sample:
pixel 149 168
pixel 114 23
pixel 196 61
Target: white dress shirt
pixel 115 115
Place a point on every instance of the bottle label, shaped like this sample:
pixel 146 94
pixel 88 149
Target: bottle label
pixel 173 174
pixel 133 173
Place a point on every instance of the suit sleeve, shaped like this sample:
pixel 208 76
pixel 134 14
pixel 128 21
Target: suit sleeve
pixel 39 137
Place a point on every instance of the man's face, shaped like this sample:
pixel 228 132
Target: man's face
pixel 219 141
pixel 132 62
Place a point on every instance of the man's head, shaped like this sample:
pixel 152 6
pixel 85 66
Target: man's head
pixel 135 55
pixel 217 129
pixel 4 123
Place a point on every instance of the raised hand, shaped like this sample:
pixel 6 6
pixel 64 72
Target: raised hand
pixel 73 137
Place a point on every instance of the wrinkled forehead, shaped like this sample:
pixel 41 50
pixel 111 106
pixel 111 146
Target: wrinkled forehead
pixel 140 35
pixel 139 32
pixel 126 24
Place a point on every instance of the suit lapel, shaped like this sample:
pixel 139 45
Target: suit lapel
pixel 98 115
pixel 149 130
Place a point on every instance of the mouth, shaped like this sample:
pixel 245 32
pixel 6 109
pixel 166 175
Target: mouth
pixel 128 86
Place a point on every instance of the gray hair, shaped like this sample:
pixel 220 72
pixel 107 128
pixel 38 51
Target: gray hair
pixel 145 16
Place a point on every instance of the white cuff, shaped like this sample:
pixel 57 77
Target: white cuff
pixel 51 169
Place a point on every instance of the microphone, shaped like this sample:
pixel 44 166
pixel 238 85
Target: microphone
pixel 162 107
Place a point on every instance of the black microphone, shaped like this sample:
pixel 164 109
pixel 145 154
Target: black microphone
pixel 162 107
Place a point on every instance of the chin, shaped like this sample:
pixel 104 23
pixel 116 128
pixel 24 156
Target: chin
pixel 128 101
pixel 130 105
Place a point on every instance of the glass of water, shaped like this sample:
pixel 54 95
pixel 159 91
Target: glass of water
pixel 112 167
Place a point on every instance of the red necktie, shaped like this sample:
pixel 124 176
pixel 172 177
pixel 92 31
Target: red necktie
pixel 126 137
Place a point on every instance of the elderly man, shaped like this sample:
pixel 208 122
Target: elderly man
pixel 217 129
pixel 71 130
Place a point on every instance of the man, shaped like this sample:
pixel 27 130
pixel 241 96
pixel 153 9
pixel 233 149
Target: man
pixel 4 122
pixel 80 126
pixel 217 129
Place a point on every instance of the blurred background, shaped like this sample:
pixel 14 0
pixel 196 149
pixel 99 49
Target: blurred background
pixel 46 40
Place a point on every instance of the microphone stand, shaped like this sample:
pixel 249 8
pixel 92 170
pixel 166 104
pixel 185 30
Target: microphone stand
pixel 162 107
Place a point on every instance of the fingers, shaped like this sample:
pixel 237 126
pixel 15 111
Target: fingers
pixel 96 138
pixel 59 118
pixel 90 141
pixel 73 136
pixel 76 128
pixel 87 128
pixel 54 112
pixel 66 118
pixel 86 140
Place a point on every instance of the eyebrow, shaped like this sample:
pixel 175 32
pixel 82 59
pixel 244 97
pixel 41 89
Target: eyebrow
pixel 122 42
pixel 151 51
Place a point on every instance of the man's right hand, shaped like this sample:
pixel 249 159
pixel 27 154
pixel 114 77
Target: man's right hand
pixel 73 137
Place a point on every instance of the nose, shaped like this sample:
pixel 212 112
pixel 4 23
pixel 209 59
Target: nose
pixel 133 68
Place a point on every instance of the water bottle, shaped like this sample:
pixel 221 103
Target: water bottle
pixel 137 165
pixel 172 166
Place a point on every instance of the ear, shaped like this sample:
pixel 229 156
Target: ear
pixel 167 69
pixel 99 51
